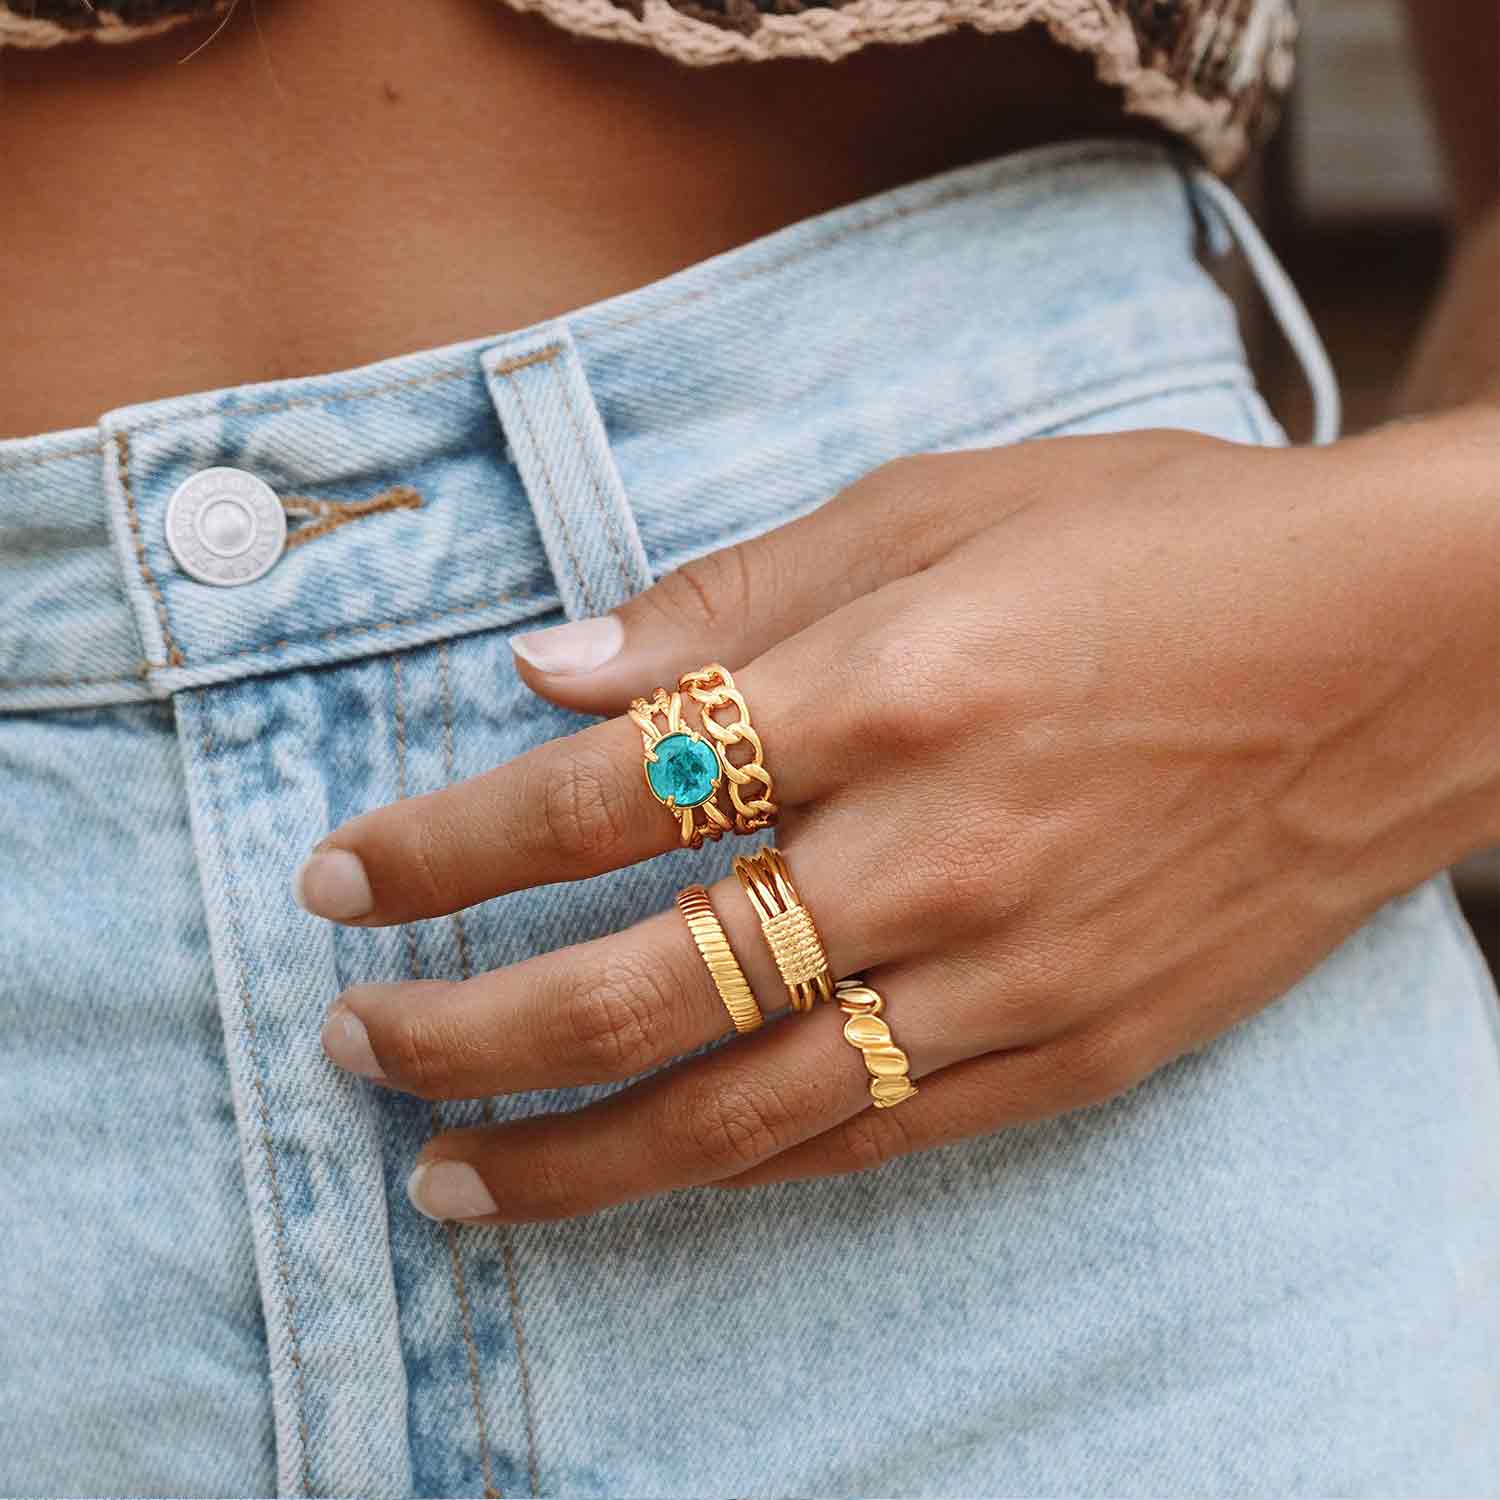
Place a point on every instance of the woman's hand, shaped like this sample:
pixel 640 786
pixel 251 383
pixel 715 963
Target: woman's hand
pixel 1087 749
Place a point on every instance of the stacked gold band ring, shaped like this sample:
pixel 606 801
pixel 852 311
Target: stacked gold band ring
pixel 788 927
pixel 713 945
pixel 803 965
pixel 887 1063
pixel 685 771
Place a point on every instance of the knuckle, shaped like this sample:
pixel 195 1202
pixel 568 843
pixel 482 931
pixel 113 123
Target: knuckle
pixel 416 1055
pixel 614 1021
pixel 871 1138
pixel 424 865
pixel 1030 987
pixel 711 591
pixel 583 807
pixel 951 874
pixel 552 1192
pixel 735 1126
pixel 895 708
pixel 1094 1066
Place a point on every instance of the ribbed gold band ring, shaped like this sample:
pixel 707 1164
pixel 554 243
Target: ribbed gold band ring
pixel 788 926
pixel 724 970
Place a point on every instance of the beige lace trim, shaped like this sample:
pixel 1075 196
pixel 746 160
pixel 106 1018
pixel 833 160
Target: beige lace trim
pixel 1221 128
pixel 1218 127
pixel 28 31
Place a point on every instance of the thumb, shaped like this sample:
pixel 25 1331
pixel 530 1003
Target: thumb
pixel 735 604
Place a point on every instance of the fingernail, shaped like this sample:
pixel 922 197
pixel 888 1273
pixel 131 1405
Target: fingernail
pixel 569 650
pixel 347 1043
pixel 449 1190
pixel 332 883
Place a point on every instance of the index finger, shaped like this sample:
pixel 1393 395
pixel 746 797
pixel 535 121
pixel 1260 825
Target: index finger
pixel 574 807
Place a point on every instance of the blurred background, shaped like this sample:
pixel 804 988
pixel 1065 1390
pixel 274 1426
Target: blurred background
pixel 1351 196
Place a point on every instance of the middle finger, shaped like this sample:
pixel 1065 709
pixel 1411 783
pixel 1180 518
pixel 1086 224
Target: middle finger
pixel 574 807
pixel 605 1010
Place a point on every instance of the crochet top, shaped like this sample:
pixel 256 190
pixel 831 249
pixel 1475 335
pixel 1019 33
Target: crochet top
pixel 1210 71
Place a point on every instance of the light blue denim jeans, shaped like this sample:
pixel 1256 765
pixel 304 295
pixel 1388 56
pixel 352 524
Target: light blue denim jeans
pixel 1271 1269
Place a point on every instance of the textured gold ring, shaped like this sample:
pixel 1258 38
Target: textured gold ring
pixel 865 1029
pixel 788 925
pixel 712 689
pixel 682 769
pixel 723 968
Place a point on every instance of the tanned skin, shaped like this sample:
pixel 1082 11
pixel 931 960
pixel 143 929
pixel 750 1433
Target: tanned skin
pixel 321 185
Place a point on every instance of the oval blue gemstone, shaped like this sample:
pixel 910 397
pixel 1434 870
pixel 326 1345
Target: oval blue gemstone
pixel 684 770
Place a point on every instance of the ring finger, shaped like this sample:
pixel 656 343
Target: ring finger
pixel 565 810
pixel 704 1120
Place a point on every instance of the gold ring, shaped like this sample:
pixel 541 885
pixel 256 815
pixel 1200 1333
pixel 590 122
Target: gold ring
pixel 724 970
pixel 866 1030
pixel 683 770
pixel 788 926
pixel 712 688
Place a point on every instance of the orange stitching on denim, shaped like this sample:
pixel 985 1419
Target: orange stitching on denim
pixel 503 1231
pixel 332 635
pixel 175 658
pixel 557 505
pixel 606 510
pixel 136 673
pixel 459 930
pixel 414 970
pixel 486 1465
pixel 36 459
pixel 520 361
pixel 407 930
pixel 466 1320
pixel 332 514
pixel 263 1111
pixel 296 403
pixel 464 959
pixel 518 1330
pixel 280 645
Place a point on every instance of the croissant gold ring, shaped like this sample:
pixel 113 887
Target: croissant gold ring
pixel 683 771
pixel 887 1065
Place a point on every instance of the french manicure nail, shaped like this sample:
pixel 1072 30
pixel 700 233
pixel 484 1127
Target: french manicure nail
pixel 572 649
pixel 332 883
pixel 449 1190
pixel 347 1043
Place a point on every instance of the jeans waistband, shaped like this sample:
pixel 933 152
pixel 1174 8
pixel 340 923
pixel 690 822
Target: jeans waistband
pixel 566 464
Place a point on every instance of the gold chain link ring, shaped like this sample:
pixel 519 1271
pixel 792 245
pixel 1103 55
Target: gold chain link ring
pixel 712 688
pixel 887 1063
pixel 723 968
pixel 788 926
pixel 683 771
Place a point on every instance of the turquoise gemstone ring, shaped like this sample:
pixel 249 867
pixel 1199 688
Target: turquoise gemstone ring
pixel 683 771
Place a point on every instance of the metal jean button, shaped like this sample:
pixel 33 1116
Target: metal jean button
pixel 225 526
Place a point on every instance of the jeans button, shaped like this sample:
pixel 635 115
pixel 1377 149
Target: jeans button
pixel 225 526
